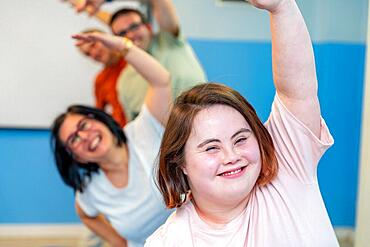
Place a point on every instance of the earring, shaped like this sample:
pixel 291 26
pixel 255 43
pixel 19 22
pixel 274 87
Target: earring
pixel 182 197
pixel 185 196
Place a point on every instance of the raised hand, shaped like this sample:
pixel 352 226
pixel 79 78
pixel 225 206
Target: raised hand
pixel 111 42
pixel 90 6
pixel 269 5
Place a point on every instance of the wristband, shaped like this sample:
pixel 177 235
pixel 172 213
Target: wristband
pixel 127 46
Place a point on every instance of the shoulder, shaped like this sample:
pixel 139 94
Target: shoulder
pixel 145 124
pixel 283 121
pixel 164 38
pixel 175 232
pixel 297 148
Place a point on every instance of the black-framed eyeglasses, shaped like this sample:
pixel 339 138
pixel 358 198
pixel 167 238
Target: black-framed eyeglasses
pixel 75 139
pixel 133 27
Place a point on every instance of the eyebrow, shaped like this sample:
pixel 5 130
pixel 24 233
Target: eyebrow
pixel 207 141
pixel 75 131
pixel 242 130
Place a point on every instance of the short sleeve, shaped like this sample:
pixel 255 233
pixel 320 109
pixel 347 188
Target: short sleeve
pixel 168 39
pixel 144 126
pixel 85 203
pixel 298 149
pixel 144 136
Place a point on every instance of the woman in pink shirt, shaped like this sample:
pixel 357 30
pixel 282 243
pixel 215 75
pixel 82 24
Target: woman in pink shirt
pixel 236 181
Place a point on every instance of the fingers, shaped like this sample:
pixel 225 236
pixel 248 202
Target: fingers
pixel 81 5
pixel 91 10
pixel 90 6
pixel 81 36
pixel 82 39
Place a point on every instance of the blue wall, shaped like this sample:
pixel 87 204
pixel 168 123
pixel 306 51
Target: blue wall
pixel 30 188
pixel 32 192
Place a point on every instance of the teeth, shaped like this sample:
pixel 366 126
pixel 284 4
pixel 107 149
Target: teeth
pixel 232 172
pixel 95 143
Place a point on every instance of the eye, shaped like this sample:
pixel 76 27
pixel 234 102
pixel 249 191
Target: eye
pixel 84 125
pixel 74 140
pixel 134 26
pixel 241 140
pixel 122 33
pixel 212 149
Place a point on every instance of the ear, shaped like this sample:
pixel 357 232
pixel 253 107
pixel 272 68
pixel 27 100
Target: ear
pixel 149 27
pixel 183 168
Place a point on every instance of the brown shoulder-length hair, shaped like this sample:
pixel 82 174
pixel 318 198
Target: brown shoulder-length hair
pixel 171 180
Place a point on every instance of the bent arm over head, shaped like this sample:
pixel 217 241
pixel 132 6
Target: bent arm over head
pixel 293 61
pixel 158 96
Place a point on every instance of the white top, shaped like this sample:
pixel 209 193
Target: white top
pixel 289 211
pixel 138 209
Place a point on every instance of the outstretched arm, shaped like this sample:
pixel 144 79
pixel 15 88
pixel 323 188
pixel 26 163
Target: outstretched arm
pixel 163 10
pixel 293 61
pixel 158 96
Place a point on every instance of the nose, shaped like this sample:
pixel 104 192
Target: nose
pixel 83 135
pixel 231 156
pixel 130 34
pixel 93 53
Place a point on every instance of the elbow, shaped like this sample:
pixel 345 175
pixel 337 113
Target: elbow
pixel 80 212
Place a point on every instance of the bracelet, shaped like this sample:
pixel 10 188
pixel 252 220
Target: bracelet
pixel 128 44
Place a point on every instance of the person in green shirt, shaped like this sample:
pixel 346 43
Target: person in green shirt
pixel 168 46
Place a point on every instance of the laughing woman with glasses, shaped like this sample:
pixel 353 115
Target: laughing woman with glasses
pixel 110 169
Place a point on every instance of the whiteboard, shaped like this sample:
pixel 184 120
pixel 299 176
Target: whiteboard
pixel 42 72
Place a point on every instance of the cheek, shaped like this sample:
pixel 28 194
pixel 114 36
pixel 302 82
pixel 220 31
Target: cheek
pixel 200 166
pixel 252 155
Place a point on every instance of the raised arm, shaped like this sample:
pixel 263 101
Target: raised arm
pixel 293 61
pixel 165 13
pixel 163 10
pixel 158 96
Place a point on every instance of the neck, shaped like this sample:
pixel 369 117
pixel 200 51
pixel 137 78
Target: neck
pixel 218 215
pixel 117 159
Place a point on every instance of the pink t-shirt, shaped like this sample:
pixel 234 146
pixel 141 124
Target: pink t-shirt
pixel 289 211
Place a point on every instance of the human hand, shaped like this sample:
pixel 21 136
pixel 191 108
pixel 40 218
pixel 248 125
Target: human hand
pixel 269 5
pixel 111 42
pixel 90 6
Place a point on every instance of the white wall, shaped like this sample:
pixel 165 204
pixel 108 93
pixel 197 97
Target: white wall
pixel 363 210
pixel 42 73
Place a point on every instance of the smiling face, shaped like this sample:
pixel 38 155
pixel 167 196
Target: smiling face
pixel 131 26
pixel 222 157
pixel 88 139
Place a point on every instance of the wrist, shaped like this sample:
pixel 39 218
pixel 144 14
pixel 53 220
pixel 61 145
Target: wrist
pixel 127 45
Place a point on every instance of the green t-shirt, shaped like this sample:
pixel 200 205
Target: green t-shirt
pixel 176 55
